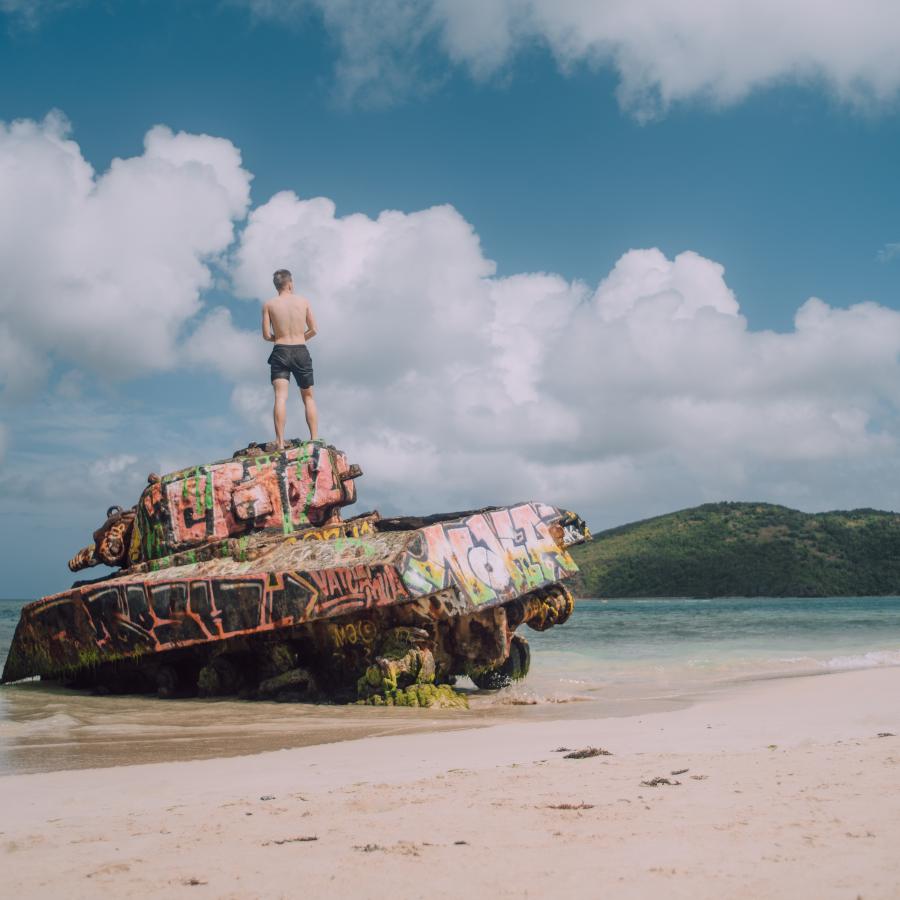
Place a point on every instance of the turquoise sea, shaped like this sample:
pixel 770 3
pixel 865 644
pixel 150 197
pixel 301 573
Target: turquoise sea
pixel 681 643
pixel 610 657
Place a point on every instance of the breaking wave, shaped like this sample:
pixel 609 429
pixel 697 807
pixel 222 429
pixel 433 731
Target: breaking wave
pixel 872 659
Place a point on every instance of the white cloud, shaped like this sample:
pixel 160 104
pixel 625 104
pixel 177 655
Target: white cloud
pixel 453 387
pixel 102 469
pixel 216 344
pixel 664 51
pixel 104 271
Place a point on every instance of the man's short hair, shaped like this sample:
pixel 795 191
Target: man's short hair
pixel 281 279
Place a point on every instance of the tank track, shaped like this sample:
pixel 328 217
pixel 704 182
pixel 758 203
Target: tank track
pixel 410 654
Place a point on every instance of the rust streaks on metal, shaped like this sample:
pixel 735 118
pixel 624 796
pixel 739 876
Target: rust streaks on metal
pixel 242 573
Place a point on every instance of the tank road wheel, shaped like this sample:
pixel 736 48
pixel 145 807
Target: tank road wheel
pixel 549 607
pixel 218 678
pixel 514 668
pixel 275 659
pixel 167 682
pixel 294 686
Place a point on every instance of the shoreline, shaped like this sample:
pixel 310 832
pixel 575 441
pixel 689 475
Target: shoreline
pixel 799 797
pixel 76 731
pixel 133 730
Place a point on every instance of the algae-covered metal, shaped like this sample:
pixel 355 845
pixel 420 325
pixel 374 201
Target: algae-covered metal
pixel 241 577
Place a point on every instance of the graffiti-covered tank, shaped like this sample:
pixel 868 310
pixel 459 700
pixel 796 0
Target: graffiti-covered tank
pixel 242 577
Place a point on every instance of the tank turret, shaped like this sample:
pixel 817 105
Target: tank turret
pixel 260 489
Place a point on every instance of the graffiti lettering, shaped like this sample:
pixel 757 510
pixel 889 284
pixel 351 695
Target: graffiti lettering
pixel 351 587
pixel 362 632
pixel 118 620
pixel 295 488
pixel 489 556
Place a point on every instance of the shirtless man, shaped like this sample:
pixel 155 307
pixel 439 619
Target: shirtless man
pixel 287 321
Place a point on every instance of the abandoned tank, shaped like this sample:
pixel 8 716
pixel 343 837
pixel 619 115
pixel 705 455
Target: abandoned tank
pixel 242 577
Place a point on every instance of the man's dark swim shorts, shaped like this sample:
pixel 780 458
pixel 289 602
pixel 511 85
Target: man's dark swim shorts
pixel 288 359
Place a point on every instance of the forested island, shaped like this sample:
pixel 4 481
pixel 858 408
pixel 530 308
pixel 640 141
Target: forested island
pixel 745 550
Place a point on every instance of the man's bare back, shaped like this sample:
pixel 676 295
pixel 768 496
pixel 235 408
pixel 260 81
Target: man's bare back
pixel 288 319
pixel 288 322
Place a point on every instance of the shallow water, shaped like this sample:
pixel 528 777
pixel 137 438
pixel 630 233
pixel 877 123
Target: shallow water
pixel 612 658
pixel 686 643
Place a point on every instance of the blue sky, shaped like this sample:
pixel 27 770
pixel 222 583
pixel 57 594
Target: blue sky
pixel 792 192
pixel 791 186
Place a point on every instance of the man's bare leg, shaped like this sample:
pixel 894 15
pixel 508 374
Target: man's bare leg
pixel 312 414
pixel 281 386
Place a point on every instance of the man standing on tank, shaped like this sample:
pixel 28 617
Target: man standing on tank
pixel 287 321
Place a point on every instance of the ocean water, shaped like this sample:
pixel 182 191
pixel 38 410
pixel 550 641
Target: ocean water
pixel 9 615
pixel 686 644
pixel 612 657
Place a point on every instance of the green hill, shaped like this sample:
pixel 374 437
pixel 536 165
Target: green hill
pixel 745 550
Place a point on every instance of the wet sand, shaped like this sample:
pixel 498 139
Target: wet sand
pixel 788 790
pixel 45 728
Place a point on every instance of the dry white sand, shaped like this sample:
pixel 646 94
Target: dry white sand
pixel 788 792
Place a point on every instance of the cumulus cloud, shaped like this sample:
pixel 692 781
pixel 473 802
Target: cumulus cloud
pixel 450 385
pixel 217 345
pixel 453 386
pixel 104 271
pixel 664 51
pixel 112 465
pixel 425 268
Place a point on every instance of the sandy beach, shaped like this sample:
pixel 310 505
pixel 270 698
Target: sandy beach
pixel 784 787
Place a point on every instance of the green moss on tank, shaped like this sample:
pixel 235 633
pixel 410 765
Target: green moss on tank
pixel 440 696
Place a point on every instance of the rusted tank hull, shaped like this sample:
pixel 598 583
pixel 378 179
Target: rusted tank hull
pixel 237 615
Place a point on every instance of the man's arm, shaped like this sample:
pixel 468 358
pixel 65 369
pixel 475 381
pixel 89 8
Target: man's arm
pixel 267 325
pixel 311 331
